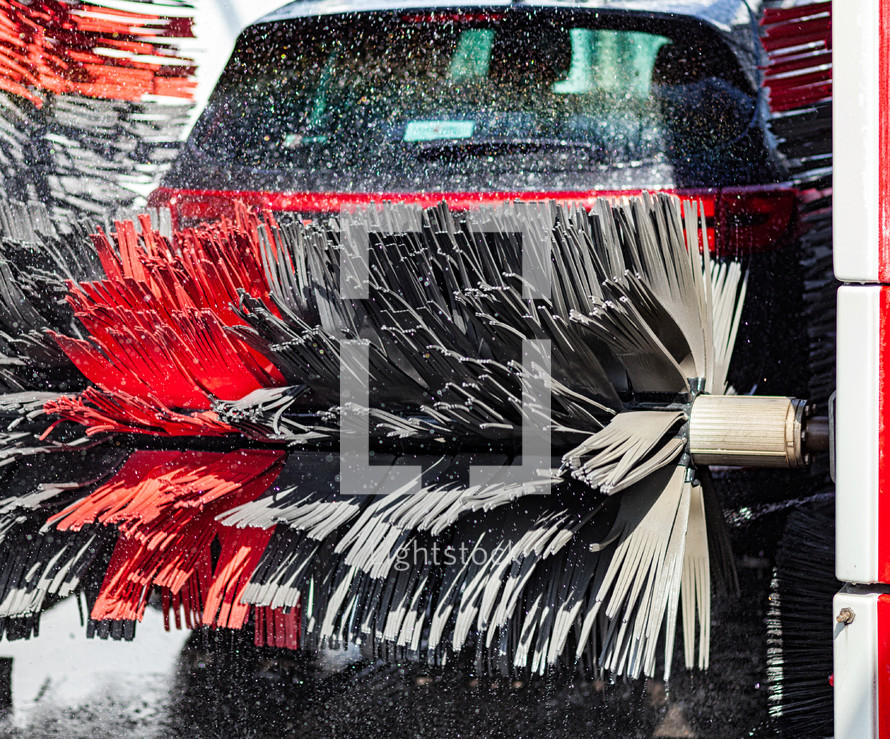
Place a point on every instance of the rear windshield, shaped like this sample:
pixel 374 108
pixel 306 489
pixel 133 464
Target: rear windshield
pixel 473 99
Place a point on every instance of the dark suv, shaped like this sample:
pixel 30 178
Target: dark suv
pixel 324 104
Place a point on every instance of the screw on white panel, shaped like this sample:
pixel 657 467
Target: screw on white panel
pixel 845 616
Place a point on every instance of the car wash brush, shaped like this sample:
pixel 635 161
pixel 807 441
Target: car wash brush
pixel 389 429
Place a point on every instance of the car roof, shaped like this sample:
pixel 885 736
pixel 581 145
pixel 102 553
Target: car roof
pixel 723 14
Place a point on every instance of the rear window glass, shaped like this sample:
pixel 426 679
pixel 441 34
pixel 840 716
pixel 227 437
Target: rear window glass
pixel 377 97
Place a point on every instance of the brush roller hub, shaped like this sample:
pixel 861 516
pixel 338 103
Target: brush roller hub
pixel 747 431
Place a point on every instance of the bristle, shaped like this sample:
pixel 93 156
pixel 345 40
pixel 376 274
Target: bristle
pixel 32 295
pixel 799 635
pixel 798 77
pixel 165 505
pixel 82 127
pixel 38 565
pixel 116 412
pixel 625 451
pixel 156 322
pixel 240 554
pixel 52 41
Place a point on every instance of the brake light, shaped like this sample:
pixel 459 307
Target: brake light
pixel 190 207
pixel 741 220
pixel 754 219
pixel 203 205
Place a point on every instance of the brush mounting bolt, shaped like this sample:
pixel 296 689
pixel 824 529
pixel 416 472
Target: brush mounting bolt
pixel 845 616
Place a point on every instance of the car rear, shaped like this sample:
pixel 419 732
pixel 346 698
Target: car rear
pixel 319 110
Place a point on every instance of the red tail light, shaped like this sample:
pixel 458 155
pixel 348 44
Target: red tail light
pixel 741 220
pixel 190 207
